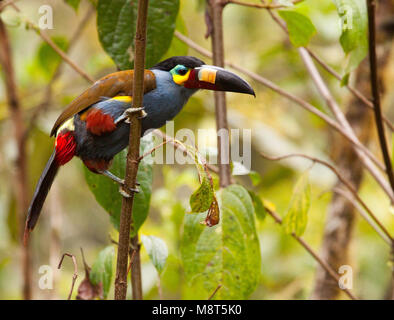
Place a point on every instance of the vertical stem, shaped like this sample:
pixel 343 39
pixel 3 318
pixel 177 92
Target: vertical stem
pixel 136 279
pixel 216 7
pixel 373 65
pixel 21 191
pixel 132 168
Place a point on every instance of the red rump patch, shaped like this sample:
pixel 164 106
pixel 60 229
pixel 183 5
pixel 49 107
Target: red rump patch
pixel 97 166
pixel 98 122
pixel 65 147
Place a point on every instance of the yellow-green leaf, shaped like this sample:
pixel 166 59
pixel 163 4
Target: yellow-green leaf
pixel 157 251
pixel 301 28
pixel 297 215
pixel 201 199
pixel 354 40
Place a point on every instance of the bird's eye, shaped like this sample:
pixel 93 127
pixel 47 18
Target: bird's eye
pixel 182 71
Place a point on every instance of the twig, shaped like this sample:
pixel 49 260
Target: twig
pixel 132 168
pixel 60 52
pixel 352 200
pixel 132 254
pixel 342 179
pixel 159 289
pixel 259 6
pixel 371 4
pixel 180 146
pixel 223 144
pixel 306 246
pixel 215 291
pixel 4 4
pixel 75 275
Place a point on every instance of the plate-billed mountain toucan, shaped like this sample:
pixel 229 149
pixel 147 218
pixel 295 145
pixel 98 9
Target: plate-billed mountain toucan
pixel 94 126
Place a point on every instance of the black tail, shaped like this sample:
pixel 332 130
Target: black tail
pixel 40 194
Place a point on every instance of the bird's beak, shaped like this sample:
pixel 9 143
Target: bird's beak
pixel 217 79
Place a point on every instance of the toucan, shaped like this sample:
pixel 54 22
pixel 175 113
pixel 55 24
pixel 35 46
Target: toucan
pixel 94 126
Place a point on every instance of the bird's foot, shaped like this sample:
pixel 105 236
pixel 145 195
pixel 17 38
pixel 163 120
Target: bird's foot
pixel 126 114
pixel 127 193
pixel 122 188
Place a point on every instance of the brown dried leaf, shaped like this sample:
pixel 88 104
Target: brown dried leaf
pixel 212 218
pixel 87 290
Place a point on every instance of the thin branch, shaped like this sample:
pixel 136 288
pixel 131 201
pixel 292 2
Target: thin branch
pixel 373 65
pixel 259 6
pixel 132 168
pixel 349 197
pixel 306 246
pixel 75 275
pixel 341 178
pixel 214 292
pixel 4 4
pixel 132 255
pixel 136 278
pixel 180 146
pixel 159 289
pixel 60 52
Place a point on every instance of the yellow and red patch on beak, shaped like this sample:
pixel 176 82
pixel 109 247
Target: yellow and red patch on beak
pixel 217 79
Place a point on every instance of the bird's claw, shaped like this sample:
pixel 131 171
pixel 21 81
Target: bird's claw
pixel 143 115
pixel 129 111
pixel 127 193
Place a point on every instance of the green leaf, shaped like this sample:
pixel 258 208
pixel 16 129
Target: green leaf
pixel 116 24
pixel 73 3
pixel 300 27
pixel 354 40
pixel 226 254
pixel 258 206
pixel 47 58
pixel 201 199
pixel 12 219
pixel 297 215
pixel 102 269
pixel 107 193
pixel 157 251
pixel 345 80
pixel 255 177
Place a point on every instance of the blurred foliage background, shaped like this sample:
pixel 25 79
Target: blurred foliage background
pixel 72 219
